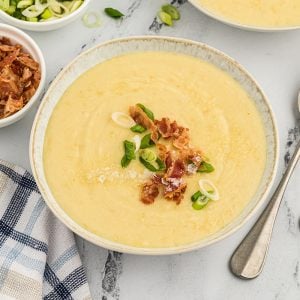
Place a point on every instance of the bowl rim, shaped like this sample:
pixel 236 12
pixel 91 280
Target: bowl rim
pixel 19 114
pixel 223 20
pixel 26 24
pixel 115 246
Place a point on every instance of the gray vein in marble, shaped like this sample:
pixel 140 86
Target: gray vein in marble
pixel 132 8
pixel 112 271
pixel 293 137
pixel 296 275
pixel 156 25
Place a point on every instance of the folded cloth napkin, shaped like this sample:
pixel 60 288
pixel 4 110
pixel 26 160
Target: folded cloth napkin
pixel 38 255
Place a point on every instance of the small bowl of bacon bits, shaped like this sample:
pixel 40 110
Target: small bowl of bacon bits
pixel 22 74
pixel 41 15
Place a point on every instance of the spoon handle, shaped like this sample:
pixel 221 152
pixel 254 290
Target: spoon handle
pixel 248 259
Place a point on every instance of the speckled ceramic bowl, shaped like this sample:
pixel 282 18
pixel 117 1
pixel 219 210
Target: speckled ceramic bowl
pixel 110 49
pixel 203 9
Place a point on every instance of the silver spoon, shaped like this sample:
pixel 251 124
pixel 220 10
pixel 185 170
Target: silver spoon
pixel 248 259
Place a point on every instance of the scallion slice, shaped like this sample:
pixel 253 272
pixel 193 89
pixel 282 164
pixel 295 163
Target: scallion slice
pixel 121 118
pixel 138 128
pixel 212 192
pixel 147 111
pixel 172 11
pixel 129 149
pixel 160 165
pixel 92 20
pixel 137 140
pixel 148 155
pixel 200 203
pixel 205 167
pixel 146 141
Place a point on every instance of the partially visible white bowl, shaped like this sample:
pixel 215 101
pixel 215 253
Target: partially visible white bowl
pixel 29 45
pixel 47 25
pixel 201 7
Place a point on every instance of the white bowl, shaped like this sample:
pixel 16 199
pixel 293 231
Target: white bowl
pixel 29 45
pixel 114 48
pixel 200 7
pixel 47 25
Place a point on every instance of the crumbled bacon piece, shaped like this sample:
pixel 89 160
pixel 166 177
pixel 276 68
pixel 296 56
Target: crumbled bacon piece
pixel 19 78
pixel 168 129
pixel 177 169
pixel 182 138
pixel 192 158
pixel 174 189
pixel 149 192
pixel 165 127
pixel 139 116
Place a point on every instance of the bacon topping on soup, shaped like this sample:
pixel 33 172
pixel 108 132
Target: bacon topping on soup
pixel 172 159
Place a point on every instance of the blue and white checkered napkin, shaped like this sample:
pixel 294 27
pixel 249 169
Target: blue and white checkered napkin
pixel 38 255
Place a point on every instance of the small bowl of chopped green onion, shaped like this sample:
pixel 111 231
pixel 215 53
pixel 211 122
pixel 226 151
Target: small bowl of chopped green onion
pixel 41 15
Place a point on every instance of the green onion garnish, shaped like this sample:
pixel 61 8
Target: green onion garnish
pixel 199 200
pixel 125 161
pixel 129 148
pixel 200 203
pixel 205 167
pixel 148 155
pixel 138 128
pixel 146 141
pixel 165 18
pixel 147 111
pixel 172 11
pixel 113 13
pixel 160 165
pixel 39 11
pixel 196 196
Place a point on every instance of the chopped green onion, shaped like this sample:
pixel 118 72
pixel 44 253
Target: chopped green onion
pixel 113 13
pixel 4 4
pixel 76 5
pixel 125 161
pixel 129 148
pixel 91 20
pixel 200 203
pixel 146 141
pixel 24 3
pixel 199 200
pixel 165 18
pixel 171 10
pixel 11 9
pixel 39 10
pixel 148 155
pixel 212 194
pixel 32 19
pixel 138 128
pixel 205 167
pixel 46 14
pixel 196 196
pixel 147 111
pixel 160 165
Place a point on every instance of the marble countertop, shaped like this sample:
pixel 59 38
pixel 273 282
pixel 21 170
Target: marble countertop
pixel 274 60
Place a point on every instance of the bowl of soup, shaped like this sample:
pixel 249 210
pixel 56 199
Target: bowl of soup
pixel 154 145
pixel 258 15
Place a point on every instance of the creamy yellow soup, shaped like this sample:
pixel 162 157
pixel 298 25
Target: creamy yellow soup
pixel 83 148
pixel 265 13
